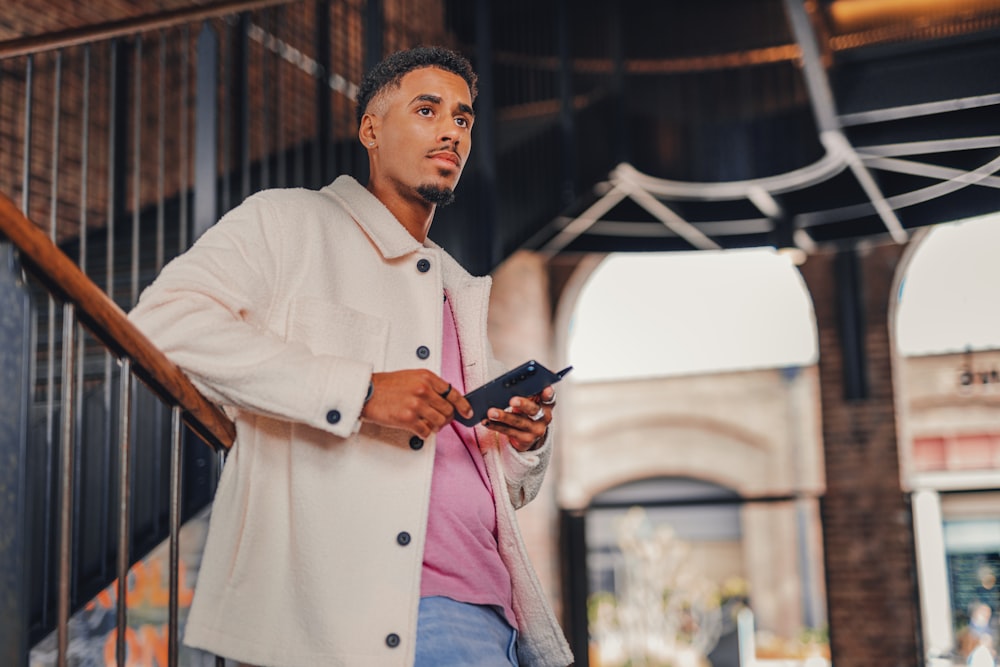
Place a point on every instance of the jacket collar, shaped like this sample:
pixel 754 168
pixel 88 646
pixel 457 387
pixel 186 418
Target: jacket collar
pixel 381 226
pixel 389 236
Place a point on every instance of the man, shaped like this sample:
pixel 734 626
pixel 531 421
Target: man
pixel 356 522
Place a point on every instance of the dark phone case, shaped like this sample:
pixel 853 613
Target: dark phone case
pixel 527 379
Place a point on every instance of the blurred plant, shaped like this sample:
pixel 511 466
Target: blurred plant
pixel 666 614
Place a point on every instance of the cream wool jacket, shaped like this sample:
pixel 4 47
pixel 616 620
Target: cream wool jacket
pixel 280 313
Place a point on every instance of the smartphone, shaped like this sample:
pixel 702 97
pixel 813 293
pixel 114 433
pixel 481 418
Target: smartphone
pixel 527 379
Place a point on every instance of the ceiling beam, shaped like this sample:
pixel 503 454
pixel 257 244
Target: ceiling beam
pixel 902 200
pixel 765 203
pixel 825 111
pixel 669 217
pixel 913 110
pixel 933 146
pixel 823 169
pixel 930 171
pixel 584 221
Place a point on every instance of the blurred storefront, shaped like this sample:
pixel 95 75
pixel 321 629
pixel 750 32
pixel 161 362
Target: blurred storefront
pixel 953 470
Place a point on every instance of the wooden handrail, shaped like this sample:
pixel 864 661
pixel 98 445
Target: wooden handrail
pixel 86 34
pixel 108 323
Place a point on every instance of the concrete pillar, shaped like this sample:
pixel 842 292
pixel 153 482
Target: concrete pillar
pixel 932 570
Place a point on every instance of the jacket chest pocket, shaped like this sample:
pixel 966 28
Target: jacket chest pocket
pixel 336 330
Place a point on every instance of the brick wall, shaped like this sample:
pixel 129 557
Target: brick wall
pixel 22 18
pixel 867 527
pixel 282 93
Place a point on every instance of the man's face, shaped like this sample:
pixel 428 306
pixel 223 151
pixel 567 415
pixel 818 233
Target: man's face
pixel 424 134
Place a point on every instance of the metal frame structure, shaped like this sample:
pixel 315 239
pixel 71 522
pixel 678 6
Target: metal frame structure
pixel 888 164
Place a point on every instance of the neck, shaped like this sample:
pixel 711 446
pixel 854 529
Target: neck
pixel 415 214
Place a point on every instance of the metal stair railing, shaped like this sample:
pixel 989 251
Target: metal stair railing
pixel 121 143
pixel 85 302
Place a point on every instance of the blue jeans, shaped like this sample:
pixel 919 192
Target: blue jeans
pixel 457 634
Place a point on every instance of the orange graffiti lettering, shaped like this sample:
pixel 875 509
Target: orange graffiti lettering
pixel 147 585
pixel 146 648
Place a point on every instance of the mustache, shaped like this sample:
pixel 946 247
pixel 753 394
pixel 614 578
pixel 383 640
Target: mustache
pixel 449 149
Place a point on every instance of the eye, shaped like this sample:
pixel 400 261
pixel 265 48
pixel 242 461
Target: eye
pixel 462 121
pixel 426 112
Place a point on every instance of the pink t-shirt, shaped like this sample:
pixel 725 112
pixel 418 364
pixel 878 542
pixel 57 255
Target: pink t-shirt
pixel 461 559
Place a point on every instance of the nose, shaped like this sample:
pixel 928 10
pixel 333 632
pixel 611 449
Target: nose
pixel 448 130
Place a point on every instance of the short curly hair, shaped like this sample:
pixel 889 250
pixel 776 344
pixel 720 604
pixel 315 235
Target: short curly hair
pixel 389 72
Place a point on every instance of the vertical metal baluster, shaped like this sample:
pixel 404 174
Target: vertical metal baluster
pixel 206 126
pixel 323 48
pixel 161 143
pixel 221 457
pixel 160 169
pixel 66 485
pixel 137 126
pixel 279 112
pixel 112 124
pixel 320 90
pixel 33 319
pixel 84 157
pixel 265 108
pixel 136 171
pixel 29 77
pixel 243 104
pixel 344 160
pixel 109 255
pixel 299 155
pixel 124 502
pixel 226 46
pixel 66 432
pixel 82 235
pixel 176 457
pixel 182 188
pixel 29 84
pixel 50 409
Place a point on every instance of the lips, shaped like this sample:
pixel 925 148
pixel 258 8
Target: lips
pixel 448 156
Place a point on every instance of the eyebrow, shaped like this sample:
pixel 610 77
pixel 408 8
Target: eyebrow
pixel 434 99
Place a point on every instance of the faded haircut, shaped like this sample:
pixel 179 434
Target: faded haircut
pixel 390 71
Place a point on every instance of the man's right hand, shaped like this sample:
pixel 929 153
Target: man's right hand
pixel 415 400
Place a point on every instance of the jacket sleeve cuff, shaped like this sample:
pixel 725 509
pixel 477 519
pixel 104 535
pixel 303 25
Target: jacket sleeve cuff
pixel 519 465
pixel 338 411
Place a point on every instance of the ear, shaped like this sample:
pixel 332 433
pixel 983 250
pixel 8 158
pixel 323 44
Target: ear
pixel 367 131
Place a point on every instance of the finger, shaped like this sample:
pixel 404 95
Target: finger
pixel 457 402
pixel 515 424
pixel 421 429
pixel 548 396
pixel 423 411
pixel 462 405
pixel 438 395
pixel 533 410
pixel 521 440
pixel 500 424
pixel 438 415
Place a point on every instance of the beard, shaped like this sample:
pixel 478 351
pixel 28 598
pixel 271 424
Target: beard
pixel 438 196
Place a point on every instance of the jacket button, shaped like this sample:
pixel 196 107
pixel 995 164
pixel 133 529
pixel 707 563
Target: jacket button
pixel 392 640
pixel 333 416
pixel 423 265
pixel 403 539
pixel 423 352
pixel 416 443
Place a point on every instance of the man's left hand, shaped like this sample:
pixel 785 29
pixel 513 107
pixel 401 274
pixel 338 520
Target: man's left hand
pixel 525 421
